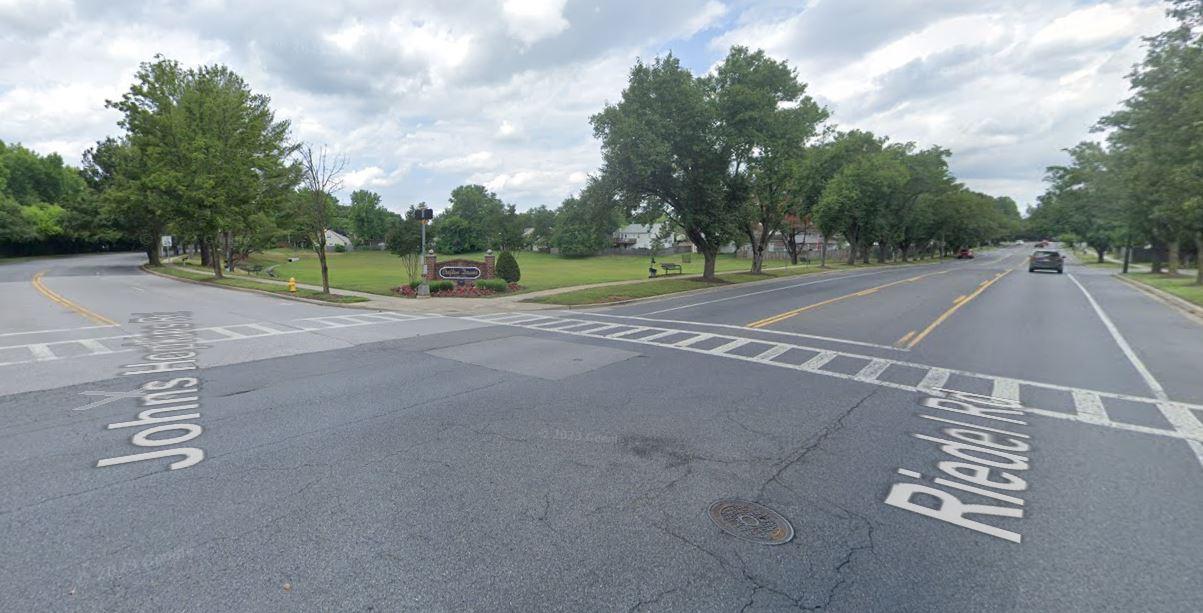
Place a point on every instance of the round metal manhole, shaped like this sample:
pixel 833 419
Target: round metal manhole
pixel 751 522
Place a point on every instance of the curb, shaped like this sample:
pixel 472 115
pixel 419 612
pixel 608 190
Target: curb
pixel 146 269
pixel 1186 307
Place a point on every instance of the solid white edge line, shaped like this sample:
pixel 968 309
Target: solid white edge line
pixel 1140 367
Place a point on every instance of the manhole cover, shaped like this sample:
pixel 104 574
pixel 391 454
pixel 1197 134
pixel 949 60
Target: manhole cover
pixel 751 522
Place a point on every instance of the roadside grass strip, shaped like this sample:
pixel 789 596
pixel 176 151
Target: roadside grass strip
pixel 1088 406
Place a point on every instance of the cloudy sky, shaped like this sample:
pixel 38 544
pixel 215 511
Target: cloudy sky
pixel 425 95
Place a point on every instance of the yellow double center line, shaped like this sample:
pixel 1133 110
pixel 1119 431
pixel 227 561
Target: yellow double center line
pixel 864 292
pixel 911 338
pixel 47 292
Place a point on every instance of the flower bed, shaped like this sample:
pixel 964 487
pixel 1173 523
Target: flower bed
pixel 458 291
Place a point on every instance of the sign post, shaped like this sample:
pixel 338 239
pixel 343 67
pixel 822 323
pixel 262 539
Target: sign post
pixel 424 216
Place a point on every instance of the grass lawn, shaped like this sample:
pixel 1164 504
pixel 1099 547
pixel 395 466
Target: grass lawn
pixel 1090 258
pixel 252 284
pixel 379 271
pixel 1182 286
pixel 628 291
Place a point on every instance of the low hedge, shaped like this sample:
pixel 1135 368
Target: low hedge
pixel 496 285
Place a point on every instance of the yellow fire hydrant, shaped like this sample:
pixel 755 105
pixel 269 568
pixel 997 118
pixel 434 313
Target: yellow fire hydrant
pixel 292 285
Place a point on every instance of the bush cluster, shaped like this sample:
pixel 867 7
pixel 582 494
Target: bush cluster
pixel 507 267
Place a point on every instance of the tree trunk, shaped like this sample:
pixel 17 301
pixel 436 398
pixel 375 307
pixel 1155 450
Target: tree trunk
pixel 321 257
pixel 823 253
pixel 215 257
pixel 791 245
pixel 864 253
pixel 1172 258
pixel 906 252
pixel 206 257
pixel 710 256
pixel 881 253
pixel 1199 258
pixel 1101 252
pixel 760 244
pixel 152 255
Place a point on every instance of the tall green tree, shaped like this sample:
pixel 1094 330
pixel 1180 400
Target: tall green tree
pixel 853 200
pixel 765 121
pixel 207 147
pixel 663 149
pixel 368 217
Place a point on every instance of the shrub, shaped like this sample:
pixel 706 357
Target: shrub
pixel 441 286
pixel 496 285
pixel 507 267
pixel 340 248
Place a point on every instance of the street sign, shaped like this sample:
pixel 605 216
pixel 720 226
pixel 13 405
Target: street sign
pixel 459 273
pixel 166 240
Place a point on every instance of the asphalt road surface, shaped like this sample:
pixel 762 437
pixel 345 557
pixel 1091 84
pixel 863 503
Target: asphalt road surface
pixel 961 436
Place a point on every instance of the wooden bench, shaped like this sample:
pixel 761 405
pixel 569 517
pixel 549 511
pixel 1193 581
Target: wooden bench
pixel 669 267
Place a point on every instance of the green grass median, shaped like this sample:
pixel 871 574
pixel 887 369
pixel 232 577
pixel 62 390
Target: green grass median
pixel 245 283
pixel 1181 286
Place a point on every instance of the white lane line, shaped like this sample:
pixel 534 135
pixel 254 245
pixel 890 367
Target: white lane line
pixel 934 379
pixel 56 330
pixel 772 352
pixel 1006 389
pixel 1158 391
pixel 1090 406
pixel 817 337
pixel 41 352
pixel 772 289
pixel 872 370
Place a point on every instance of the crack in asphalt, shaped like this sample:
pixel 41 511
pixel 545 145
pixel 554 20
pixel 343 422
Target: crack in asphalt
pixel 812 444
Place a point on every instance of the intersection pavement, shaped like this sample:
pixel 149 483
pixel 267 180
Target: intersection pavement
pixel 943 437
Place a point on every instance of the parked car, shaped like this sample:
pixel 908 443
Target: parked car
pixel 1046 260
pixel 965 254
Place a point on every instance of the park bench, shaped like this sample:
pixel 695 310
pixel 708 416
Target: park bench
pixel 669 267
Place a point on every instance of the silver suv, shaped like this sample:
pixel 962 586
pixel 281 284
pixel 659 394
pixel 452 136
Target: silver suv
pixel 1046 260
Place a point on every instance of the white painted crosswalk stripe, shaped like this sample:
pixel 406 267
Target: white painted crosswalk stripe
pixel 819 360
pixel 1005 389
pixel 724 348
pixel 44 352
pixel 1089 405
pixel 872 370
pixel 41 352
pixel 935 378
pixel 95 346
pixel 772 352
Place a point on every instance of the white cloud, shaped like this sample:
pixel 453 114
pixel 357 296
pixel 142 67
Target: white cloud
pixel 424 95
pixel 532 20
